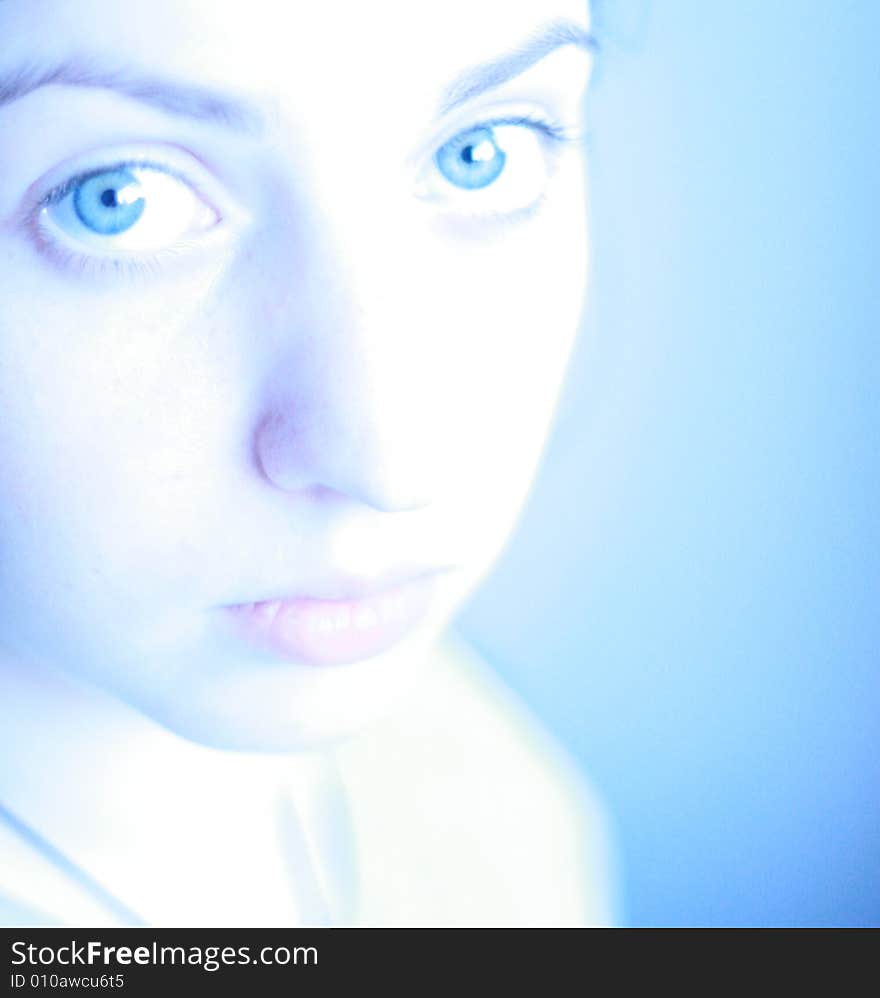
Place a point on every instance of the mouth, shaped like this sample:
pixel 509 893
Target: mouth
pixel 319 631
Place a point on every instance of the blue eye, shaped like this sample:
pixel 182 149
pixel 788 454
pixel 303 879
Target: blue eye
pixel 471 159
pixel 125 210
pixel 110 202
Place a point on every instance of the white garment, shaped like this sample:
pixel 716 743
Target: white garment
pixel 456 810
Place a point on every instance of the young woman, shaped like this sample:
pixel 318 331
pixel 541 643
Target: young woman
pixel 286 296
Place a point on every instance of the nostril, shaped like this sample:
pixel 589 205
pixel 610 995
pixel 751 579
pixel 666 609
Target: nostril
pixel 271 452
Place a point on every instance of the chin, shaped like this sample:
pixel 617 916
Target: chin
pixel 289 708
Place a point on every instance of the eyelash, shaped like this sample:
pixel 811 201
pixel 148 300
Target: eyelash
pixel 553 129
pixel 132 268
pixel 60 192
pixel 558 134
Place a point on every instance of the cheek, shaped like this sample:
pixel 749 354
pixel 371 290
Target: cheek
pixel 103 397
pixel 507 334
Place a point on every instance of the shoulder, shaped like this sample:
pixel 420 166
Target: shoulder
pixel 468 813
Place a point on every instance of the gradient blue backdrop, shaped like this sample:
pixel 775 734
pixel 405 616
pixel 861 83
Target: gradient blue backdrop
pixel 692 600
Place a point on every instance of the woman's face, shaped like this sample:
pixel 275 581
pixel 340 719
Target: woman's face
pixel 286 295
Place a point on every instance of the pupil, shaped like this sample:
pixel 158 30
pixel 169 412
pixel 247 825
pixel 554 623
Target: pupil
pixel 479 152
pixel 108 198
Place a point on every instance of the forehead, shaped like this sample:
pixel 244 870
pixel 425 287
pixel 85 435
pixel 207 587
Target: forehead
pixel 348 48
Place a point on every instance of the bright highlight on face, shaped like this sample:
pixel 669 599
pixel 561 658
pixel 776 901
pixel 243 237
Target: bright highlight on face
pixel 284 310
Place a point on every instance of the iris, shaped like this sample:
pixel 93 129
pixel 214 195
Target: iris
pixel 110 202
pixel 471 159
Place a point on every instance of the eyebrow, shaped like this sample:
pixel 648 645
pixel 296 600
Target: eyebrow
pixel 478 80
pixel 171 96
pixel 214 107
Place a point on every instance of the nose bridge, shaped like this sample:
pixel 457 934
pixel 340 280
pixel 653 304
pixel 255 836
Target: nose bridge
pixel 346 400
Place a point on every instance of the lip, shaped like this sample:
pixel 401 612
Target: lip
pixel 316 631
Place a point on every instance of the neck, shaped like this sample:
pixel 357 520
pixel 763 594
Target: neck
pixel 154 818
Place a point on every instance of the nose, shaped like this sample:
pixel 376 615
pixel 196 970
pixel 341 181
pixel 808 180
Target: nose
pixel 347 404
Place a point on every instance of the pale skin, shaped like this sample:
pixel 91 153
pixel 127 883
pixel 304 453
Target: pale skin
pixel 324 359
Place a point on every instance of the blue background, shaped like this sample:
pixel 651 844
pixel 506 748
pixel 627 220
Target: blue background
pixel 691 601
